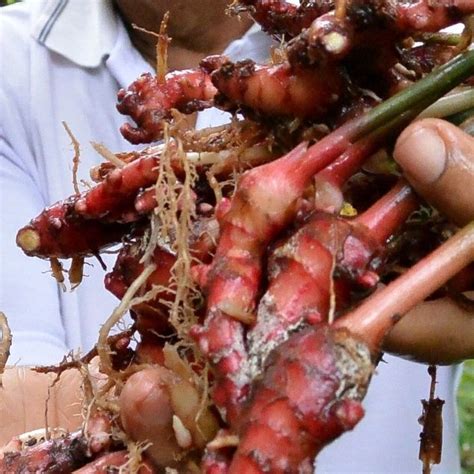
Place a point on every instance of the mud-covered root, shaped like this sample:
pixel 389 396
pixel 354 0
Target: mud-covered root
pixel 62 454
pixel 422 15
pixel 282 17
pixel 367 28
pixel 280 90
pixel 149 100
pixel 310 393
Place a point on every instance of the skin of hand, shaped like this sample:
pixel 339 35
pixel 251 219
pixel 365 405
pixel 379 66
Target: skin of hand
pixel 30 400
pixel 437 158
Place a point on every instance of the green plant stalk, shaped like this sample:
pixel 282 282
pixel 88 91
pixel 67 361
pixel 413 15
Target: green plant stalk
pixel 449 39
pixel 430 88
pixel 451 104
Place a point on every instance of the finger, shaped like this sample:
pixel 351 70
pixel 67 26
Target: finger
pixel 438 160
pixel 435 332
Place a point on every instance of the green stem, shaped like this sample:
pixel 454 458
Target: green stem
pixel 450 39
pixel 451 104
pixel 430 88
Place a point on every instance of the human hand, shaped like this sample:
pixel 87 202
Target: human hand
pixel 29 401
pixel 438 160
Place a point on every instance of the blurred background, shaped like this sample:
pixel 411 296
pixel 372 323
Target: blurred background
pixel 465 393
pixel 466 417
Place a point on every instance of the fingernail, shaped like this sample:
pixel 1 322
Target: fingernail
pixel 422 155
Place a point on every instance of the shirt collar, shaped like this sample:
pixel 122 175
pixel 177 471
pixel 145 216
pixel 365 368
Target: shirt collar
pixel 83 31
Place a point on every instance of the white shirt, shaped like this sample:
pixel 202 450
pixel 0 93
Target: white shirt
pixel 64 60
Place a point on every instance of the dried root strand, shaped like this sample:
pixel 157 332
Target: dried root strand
pixel 76 157
pixel 162 49
pixel 78 363
pixel 104 152
pixel 182 313
pixel 103 347
pixel 76 272
pixel 341 7
pixel 172 224
pixel 235 134
pixel 431 437
pixel 57 272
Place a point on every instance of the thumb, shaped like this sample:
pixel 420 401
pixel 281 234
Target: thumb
pixel 438 160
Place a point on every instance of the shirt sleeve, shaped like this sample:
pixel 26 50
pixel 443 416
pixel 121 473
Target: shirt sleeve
pixel 29 299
